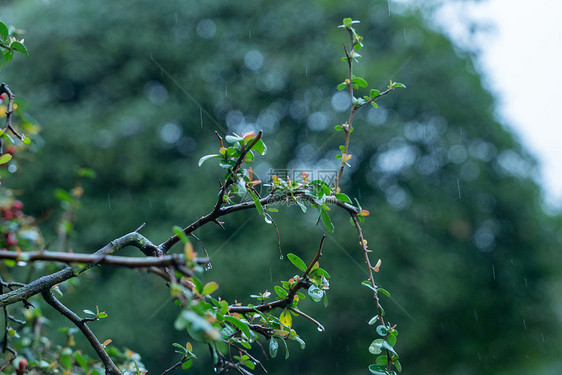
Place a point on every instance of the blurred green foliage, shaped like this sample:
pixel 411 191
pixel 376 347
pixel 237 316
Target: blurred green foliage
pixel 135 91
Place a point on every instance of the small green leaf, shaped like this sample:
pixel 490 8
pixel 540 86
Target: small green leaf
pixel 378 370
pixel 398 84
pixel 320 271
pixel 26 141
pixel 391 338
pixel 315 293
pixel 398 365
pixel 360 82
pixel 209 288
pixel 233 138
pixel 382 360
pixel 5 158
pixel 273 347
pixel 326 220
pixel 382 331
pixel 282 293
pixel 181 235
pixel 4 33
pixel 80 360
pixel 239 324
pixel 207 157
pixel 301 342
pixel 302 206
pixel 344 198
pixel 257 202
pixel 187 364
pixel 197 283
pixel 63 195
pixel 297 262
pixel 374 93
pixel 18 46
pixel 90 312
pixel 260 147
pixel 384 291
pixel 339 128
pixel 373 320
pixel 368 285
pixel 376 346
pixel 342 85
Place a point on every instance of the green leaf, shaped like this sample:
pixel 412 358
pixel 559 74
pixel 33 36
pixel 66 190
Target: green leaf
pixel 297 262
pixel 302 206
pixel 373 320
pixel 339 128
pixel 301 342
pixel 198 284
pixel 382 360
pixel 209 288
pixel 7 55
pixel 207 157
pixel 63 195
pixel 187 364
pixel 239 324
pixel 80 360
pixel 257 202
pixel 391 339
pixel 26 141
pixel 326 220
pixel 273 347
pixel 321 187
pixel 398 365
pixel 398 84
pixel 382 331
pixel 5 158
pixel 320 271
pixel 181 235
pixel 282 293
pixel 378 370
pixel 374 93
pixel 66 361
pixel 360 82
pixel 344 198
pixel 342 85
pixel 260 147
pixel 387 346
pixel 4 33
pixel 376 346
pixel 286 349
pixel 315 293
pixel 233 138
pixel 368 285
pixel 384 291
pixel 18 46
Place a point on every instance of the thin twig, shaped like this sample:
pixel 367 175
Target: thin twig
pixel 110 367
pixel 320 326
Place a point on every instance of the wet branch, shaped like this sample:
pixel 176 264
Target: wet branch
pixel 110 367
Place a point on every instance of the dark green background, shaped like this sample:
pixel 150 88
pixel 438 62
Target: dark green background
pixel 470 258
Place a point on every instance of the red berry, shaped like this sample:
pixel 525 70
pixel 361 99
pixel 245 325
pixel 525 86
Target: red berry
pixel 3 96
pixel 17 205
pixel 7 213
pixel 22 367
pixel 11 239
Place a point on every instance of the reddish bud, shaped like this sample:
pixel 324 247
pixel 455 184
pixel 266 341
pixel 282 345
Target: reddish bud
pixel 3 96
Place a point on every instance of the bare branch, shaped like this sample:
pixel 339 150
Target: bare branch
pixel 110 367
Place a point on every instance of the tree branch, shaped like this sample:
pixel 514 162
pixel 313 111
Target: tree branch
pixel 110 367
pixel 48 281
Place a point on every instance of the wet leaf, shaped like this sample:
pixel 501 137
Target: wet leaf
pixel 207 157
pixel 297 262
pixel 273 347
